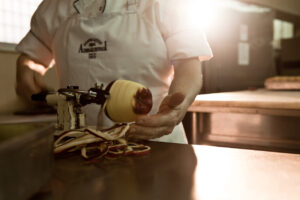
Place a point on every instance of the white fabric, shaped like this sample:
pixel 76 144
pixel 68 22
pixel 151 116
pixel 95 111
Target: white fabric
pixel 175 137
pixel 37 50
pixel 131 39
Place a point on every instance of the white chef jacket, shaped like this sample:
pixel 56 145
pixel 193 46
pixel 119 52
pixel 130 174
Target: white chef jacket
pixel 137 40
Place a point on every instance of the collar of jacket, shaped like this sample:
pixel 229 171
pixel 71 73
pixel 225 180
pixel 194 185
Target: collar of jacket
pixel 79 5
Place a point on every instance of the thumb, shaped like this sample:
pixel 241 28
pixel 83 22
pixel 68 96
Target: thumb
pixel 175 99
pixel 170 102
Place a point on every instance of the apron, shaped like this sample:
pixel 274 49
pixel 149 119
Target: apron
pixel 121 42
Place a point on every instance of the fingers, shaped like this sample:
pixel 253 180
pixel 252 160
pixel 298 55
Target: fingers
pixel 160 119
pixel 40 84
pixel 154 126
pixel 171 102
pixel 28 86
pixel 162 123
pixel 145 133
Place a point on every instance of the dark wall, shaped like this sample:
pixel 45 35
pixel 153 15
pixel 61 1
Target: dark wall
pixel 223 72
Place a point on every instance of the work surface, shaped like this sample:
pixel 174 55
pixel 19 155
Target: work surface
pixel 177 171
pixel 260 118
pixel 261 100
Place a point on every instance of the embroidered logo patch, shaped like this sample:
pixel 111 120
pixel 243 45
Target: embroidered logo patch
pixel 92 46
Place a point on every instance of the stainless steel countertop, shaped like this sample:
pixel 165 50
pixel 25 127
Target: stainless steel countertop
pixel 178 171
pixel 14 119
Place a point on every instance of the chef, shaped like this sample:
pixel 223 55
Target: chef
pixel 98 41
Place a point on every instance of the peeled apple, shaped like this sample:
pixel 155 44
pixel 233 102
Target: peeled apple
pixel 127 100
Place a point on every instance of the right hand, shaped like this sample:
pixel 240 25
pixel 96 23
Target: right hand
pixel 170 113
pixel 28 80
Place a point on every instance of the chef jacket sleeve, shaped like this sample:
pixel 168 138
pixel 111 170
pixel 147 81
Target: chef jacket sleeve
pixel 44 22
pixel 183 40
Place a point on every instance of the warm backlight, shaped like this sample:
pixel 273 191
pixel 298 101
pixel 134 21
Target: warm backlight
pixel 203 13
pixel 36 67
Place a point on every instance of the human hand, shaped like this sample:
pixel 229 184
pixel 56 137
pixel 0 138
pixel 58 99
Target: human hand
pixel 28 81
pixel 171 112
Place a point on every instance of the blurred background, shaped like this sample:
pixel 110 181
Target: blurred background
pixel 251 41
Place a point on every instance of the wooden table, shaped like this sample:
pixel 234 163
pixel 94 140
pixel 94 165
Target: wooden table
pixel 260 101
pixel 261 118
pixel 178 171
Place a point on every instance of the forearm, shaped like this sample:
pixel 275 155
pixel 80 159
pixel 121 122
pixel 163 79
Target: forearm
pixel 187 79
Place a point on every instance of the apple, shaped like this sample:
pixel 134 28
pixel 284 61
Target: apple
pixel 127 100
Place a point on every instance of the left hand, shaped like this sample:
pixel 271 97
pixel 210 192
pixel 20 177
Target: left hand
pixel 171 112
